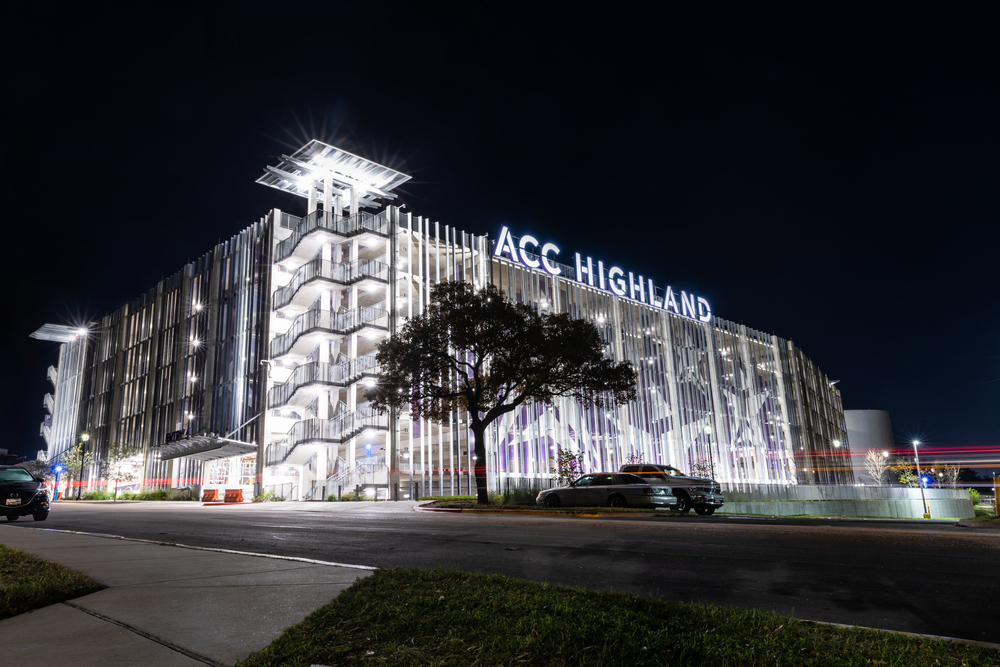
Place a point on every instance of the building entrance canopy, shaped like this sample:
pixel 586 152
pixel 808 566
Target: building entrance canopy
pixel 204 448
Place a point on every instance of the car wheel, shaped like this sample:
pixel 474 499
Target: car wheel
pixel 41 516
pixel 617 501
pixel 683 503
pixel 552 500
pixel 704 511
pixel 12 517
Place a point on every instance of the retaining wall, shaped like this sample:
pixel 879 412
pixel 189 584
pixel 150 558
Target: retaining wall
pixel 889 502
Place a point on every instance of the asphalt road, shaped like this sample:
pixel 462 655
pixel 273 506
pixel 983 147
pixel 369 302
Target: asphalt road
pixel 918 577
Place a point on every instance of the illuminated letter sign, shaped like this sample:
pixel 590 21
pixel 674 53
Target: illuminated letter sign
pixel 614 280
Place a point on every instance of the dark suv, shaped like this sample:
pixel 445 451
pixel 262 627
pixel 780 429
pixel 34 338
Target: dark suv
pixel 21 494
pixel 704 495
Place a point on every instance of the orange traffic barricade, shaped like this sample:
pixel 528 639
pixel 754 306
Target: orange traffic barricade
pixel 234 496
pixel 210 496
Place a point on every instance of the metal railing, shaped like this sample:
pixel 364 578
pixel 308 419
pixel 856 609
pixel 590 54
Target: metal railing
pixel 338 272
pixel 341 226
pixel 339 429
pixel 370 470
pixel 343 374
pixel 344 322
pixel 53 376
pixel 49 403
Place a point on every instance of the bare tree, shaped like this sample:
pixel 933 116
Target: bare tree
pixel 876 465
pixel 946 474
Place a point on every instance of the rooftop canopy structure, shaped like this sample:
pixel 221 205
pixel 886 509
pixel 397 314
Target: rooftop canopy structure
pixel 204 448
pixel 319 169
pixel 59 333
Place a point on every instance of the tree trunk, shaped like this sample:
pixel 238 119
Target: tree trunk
pixel 479 447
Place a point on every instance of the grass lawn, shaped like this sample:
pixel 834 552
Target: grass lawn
pixel 446 617
pixel 28 583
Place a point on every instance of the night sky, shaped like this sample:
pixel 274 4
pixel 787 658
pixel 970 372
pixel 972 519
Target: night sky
pixel 830 178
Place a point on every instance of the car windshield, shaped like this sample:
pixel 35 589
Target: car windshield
pixel 15 475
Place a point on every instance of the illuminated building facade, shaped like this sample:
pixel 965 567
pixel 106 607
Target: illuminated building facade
pixel 249 367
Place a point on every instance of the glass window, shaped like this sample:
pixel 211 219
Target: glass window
pixel 628 479
pixel 584 481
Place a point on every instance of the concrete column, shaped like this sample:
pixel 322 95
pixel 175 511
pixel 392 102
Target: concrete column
pixel 327 193
pixel 352 391
pixel 321 465
pixel 338 206
pixel 355 200
pixel 312 198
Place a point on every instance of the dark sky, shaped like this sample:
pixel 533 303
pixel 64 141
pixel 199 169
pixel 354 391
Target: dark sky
pixel 828 177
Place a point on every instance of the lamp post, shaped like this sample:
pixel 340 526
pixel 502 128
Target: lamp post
pixel 927 511
pixel 79 477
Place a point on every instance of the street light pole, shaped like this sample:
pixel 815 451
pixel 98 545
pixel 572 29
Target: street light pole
pixel 79 477
pixel 920 481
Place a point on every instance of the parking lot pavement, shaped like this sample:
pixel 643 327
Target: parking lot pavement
pixel 164 604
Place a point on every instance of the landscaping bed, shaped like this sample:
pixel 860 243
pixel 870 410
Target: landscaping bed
pixel 445 617
pixel 470 505
pixel 28 583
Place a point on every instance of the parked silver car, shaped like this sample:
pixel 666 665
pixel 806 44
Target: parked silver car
pixel 699 493
pixel 609 489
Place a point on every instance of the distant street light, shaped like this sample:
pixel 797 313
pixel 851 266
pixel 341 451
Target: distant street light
pixel 55 492
pixel 927 511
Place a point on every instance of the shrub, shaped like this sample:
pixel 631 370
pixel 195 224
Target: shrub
pixel 127 495
pixel 974 495
pixel 269 497
pixel 159 494
pixel 98 495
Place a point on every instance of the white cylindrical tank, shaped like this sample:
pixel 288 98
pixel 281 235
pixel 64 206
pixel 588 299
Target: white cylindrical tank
pixel 867 429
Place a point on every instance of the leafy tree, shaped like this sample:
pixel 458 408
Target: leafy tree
pixel 74 460
pixel 876 465
pixel 38 469
pixel 633 459
pixel 569 466
pixel 120 464
pixel 703 468
pixel 475 351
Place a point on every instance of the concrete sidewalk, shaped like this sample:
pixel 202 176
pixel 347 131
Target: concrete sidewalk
pixel 164 605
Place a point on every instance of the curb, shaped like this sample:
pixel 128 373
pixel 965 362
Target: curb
pixel 988 525
pixel 419 508
pixel 957 640
pixel 311 561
